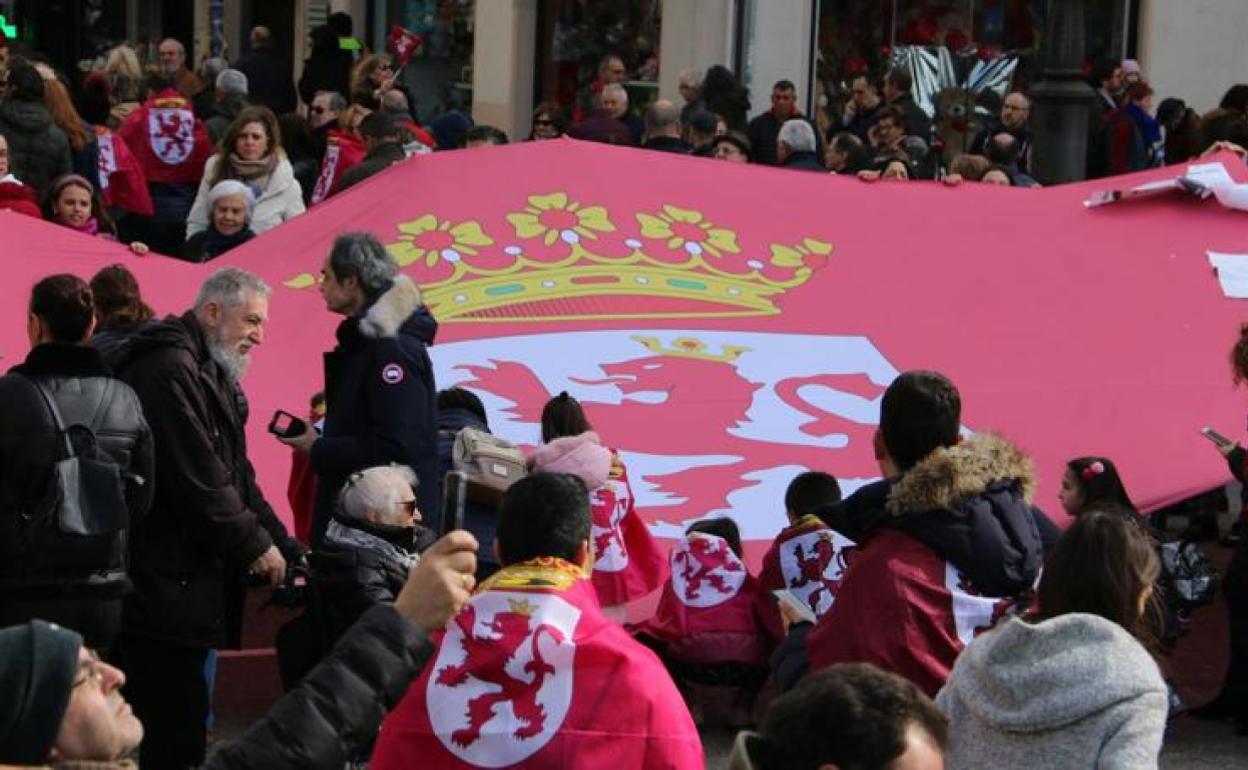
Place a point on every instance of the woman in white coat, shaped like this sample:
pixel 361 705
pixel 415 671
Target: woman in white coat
pixel 251 152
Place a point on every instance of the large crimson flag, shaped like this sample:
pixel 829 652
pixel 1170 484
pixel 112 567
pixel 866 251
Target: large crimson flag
pixel 531 674
pixel 808 560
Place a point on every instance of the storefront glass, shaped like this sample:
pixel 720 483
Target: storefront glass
pixel 574 35
pixel 439 75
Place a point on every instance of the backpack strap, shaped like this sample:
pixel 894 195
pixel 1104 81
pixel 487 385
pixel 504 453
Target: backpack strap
pixel 50 403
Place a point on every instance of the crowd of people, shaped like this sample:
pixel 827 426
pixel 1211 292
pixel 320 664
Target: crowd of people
pixel 934 618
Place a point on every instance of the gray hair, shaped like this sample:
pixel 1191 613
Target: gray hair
pixel 226 288
pixel 336 101
pixel 690 78
pixel 798 135
pixel 616 88
pixel 228 187
pixel 370 491
pixel 394 101
pixel 212 67
pixel 361 255
pixel 231 82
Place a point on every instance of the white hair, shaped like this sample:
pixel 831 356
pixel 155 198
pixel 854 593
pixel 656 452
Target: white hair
pixel 798 135
pixel 616 88
pixel 371 491
pixel 226 287
pixel 228 187
pixel 691 78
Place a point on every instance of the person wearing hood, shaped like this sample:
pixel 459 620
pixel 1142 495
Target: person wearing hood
pixel 949 542
pixel 368 551
pixel 230 98
pixel 627 562
pixel 251 152
pixel 232 205
pixel 379 387
pixel 1070 684
pixel 38 149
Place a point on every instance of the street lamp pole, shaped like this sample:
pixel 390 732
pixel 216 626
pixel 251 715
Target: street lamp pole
pixel 1061 101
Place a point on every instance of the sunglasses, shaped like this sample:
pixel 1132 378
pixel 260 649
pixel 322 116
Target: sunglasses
pixel 408 507
pixel 543 122
pixel 318 110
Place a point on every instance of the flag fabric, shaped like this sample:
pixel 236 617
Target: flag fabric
pixel 706 612
pixel 403 43
pixel 628 563
pixel 122 183
pixel 170 144
pixel 922 612
pixel 343 150
pixel 807 559
pixel 532 674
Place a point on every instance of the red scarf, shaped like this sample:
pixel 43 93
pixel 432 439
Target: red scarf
pixel 342 151
pixel 807 559
pixel 531 674
pixel 169 142
pixel 706 613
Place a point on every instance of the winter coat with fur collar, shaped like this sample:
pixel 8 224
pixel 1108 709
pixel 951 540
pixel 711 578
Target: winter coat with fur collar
pixel 380 401
pixel 958 546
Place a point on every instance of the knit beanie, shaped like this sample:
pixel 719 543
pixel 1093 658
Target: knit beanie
pixel 38 663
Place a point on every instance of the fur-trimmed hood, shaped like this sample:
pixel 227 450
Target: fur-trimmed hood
pixel 399 309
pixel 969 504
pixel 950 476
pixel 582 455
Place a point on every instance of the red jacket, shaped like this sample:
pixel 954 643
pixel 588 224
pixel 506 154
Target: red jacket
pixel 808 559
pixel 169 142
pixel 706 613
pixel 21 198
pixel 342 151
pixel 904 609
pixel 531 674
pixel 122 182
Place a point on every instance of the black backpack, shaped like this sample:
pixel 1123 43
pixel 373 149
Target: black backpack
pixel 77 525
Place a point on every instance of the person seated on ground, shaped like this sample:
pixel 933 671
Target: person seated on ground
pixel 846 154
pixel 807 558
pixel 896 167
pixel 368 549
pixel 63 705
pixel 532 673
pixel 663 129
pixel 459 408
pixel 796 147
pixel 732 146
pixel 251 152
pixel 71 201
pixel 1090 483
pixel 705 629
pixel 627 562
pixel 484 136
pixel 1069 684
pixel 119 309
pixel 851 715
pixel 14 195
pixel 949 542
pixel 231 204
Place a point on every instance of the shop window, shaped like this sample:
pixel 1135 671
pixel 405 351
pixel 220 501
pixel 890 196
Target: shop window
pixel 439 75
pixel 574 36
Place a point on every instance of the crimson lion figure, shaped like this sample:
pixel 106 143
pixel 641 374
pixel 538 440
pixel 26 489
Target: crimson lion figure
pixel 486 660
pixel 700 561
pixel 812 571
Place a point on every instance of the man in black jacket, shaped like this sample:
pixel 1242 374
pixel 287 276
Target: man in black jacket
pixel 384 141
pixel 663 129
pixel 268 73
pixel 210 525
pixel 64 706
pixel 379 388
pixel 897 85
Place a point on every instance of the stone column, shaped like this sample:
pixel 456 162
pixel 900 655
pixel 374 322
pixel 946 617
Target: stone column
pixel 503 59
pixel 1061 101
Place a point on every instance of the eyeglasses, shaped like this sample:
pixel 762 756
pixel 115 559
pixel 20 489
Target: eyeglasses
pixel 91 672
pixel 543 122
pixel 407 506
pixel 318 110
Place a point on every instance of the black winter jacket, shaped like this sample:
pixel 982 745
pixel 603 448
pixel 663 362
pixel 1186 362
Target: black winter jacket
pixel 336 711
pixel 380 400
pixel 38 149
pixel 208 523
pixel 85 394
pixel 480 520
pixel 268 79
pixel 380 158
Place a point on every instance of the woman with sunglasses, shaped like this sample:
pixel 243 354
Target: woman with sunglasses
pixel 547 122
pixel 372 77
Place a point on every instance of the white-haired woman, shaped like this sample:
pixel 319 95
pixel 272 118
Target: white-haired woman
pixel 230 206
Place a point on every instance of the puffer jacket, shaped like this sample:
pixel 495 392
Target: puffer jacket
pixel 85 394
pixel 38 149
pixel 380 400
pixel 282 199
pixel 1072 691
pixel 582 455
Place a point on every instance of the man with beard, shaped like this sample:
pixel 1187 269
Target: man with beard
pixel 209 526
pixel 380 397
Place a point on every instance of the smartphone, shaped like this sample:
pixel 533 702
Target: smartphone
pixel 286 425
pixel 1215 437
pixel 454 492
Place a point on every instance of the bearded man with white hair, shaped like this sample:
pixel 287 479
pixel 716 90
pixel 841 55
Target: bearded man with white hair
pixel 209 526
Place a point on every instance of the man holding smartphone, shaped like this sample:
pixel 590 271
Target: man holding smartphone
pixel 379 388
